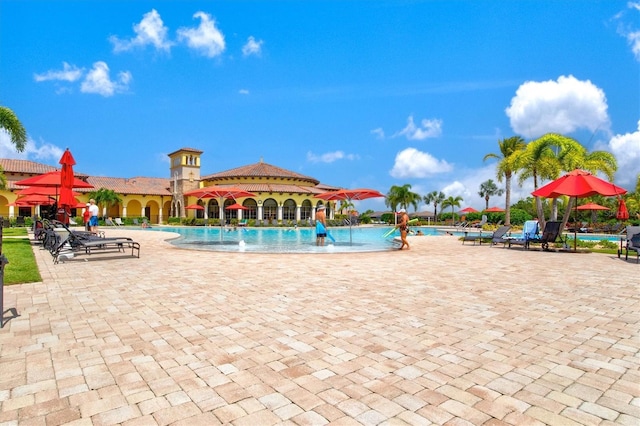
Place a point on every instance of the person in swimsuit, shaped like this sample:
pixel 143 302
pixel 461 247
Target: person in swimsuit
pixel 403 225
pixel 321 218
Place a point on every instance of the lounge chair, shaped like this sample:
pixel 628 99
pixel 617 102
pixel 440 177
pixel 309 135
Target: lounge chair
pixel 108 221
pixel 20 221
pixel 630 242
pixel 70 243
pixel 529 232
pixel 496 237
pixel 242 222
pixel 63 242
pixel 135 221
pixel 550 234
pixel 6 223
pixel 118 221
pixel 482 222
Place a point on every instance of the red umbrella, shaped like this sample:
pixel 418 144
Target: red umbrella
pixel 494 210
pixel 236 206
pixel 578 184
pixel 51 179
pixel 221 192
pixel 41 190
pixel 35 200
pixel 622 213
pixel 468 210
pixel 349 195
pixel 194 207
pixel 66 179
pixel 592 206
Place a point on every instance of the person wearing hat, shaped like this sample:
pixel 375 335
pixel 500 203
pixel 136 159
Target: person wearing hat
pixel 86 216
pixel 403 225
pixel 321 231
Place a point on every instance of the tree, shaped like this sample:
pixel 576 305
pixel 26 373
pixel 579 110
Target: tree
pixel 552 154
pixel 451 202
pixel 105 197
pixel 435 198
pixel 506 167
pixel 402 196
pixel 539 162
pixel 488 189
pixel 9 122
pixel 346 205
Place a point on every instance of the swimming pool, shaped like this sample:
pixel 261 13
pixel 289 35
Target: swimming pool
pixel 284 240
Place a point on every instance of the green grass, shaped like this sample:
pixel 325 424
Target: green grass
pixel 22 267
pixel 14 232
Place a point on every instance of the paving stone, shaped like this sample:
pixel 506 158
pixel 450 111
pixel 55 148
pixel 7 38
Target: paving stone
pixel 156 341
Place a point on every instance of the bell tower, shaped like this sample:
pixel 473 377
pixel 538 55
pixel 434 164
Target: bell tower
pixel 185 176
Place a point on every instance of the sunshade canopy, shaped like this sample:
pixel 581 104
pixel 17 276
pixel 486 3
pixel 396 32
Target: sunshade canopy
pixel 53 180
pixel 592 206
pixel 494 210
pixel 580 184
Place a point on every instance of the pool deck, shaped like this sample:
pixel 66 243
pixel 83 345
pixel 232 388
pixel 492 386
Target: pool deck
pixel 444 333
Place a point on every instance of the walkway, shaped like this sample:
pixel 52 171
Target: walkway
pixel 442 334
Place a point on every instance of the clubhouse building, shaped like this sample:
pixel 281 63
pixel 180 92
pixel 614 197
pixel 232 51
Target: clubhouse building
pixel 280 195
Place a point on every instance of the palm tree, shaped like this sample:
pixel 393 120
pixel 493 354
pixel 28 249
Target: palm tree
pixel 402 196
pixel 105 197
pixel 451 202
pixel 551 154
pixel 506 167
pixel 435 198
pixel 538 161
pixel 489 189
pixel 9 122
pixel 346 205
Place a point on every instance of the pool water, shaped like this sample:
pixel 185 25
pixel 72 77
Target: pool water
pixel 285 240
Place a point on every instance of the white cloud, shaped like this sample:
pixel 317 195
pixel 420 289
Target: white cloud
pixel 411 163
pixel 561 106
pixel 626 149
pixel 378 132
pixel 330 157
pixel 252 47
pixel 45 152
pixel 150 31
pixel 99 81
pixel 428 129
pixel 628 31
pixel 243 91
pixel 206 39
pixel 68 73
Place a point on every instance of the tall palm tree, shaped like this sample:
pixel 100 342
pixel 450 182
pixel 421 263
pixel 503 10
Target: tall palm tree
pixel 451 202
pixel 435 198
pixel 506 167
pixel 105 197
pixel 9 122
pixel 402 196
pixel 538 161
pixel 551 154
pixel 488 189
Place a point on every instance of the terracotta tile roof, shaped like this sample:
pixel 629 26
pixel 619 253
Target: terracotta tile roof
pixel 24 167
pixel 161 186
pixel 260 169
pixel 195 151
pixel 278 188
pixel 135 185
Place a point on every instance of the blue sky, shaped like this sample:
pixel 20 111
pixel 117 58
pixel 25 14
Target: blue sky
pixel 354 93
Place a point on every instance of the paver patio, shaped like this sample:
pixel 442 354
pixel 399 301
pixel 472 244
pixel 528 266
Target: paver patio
pixel 442 334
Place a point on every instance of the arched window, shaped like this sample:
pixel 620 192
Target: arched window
pixel 305 210
pixel 270 209
pixel 289 210
pixel 213 209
